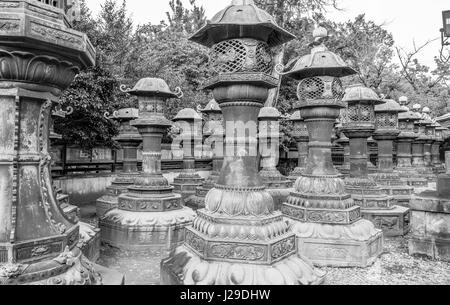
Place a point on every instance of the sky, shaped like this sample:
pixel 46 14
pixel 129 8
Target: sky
pixel 407 20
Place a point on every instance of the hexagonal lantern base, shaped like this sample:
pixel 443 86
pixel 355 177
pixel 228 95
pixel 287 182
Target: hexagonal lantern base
pixel 279 196
pixel 430 227
pixel 411 177
pixel 110 200
pixel 394 222
pixel 204 260
pixel 145 230
pixel 356 245
pixel 392 185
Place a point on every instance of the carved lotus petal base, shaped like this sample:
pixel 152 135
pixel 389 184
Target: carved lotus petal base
pixel 279 195
pixel 368 195
pixel 394 222
pixel 145 230
pixel 187 268
pixel 70 268
pixel 356 245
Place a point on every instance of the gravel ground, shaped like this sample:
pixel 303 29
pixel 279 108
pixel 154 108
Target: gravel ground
pixel 394 267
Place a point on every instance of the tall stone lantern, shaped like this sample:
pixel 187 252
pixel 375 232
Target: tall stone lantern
pixel 387 131
pixel 40 54
pixel 301 136
pixel 239 238
pixel 149 215
pixel 129 140
pixel 438 165
pixel 405 139
pixel 430 133
pixel 214 133
pixel 359 124
pixel 324 216
pixel 418 147
pixel 187 182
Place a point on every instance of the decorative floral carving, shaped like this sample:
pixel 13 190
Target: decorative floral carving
pixel 283 248
pixel 237 252
pixel 11 270
pixel 195 242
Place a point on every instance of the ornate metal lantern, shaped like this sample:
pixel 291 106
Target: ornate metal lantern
pixel 301 136
pixel 129 139
pixel 241 37
pixel 189 122
pixel 387 131
pixel 40 55
pixel 405 141
pixel 322 212
pixel 149 215
pixel 376 205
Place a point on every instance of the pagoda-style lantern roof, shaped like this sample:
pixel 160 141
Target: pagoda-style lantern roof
pixel 242 19
pixel 152 87
pixel 212 107
pixel 187 114
pixel 360 93
pixel 408 115
pixel 389 106
pixel 321 61
pixel 269 114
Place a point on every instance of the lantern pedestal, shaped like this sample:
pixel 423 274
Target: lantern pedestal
pixel 405 170
pixel 149 215
pixel 344 142
pixel 418 159
pixel 430 223
pixel 301 136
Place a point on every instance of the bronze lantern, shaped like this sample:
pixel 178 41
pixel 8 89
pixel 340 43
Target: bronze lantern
pixel 239 238
pixel 322 213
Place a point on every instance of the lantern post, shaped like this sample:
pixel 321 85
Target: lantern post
pixel 301 136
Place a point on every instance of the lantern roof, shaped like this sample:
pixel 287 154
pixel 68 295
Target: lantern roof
pixel 389 105
pixel 359 93
pixel 242 19
pixel 296 117
pixel 320 62
pixel 212 107
pixel 269 113
pixel 152 87
pixel 187 114
pixel 408 115
pixel 126 113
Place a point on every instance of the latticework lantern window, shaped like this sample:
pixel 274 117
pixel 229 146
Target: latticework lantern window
pixel 430 131
pixel 360 112
pixel 386 120
pixel 320 88
pixel 241 55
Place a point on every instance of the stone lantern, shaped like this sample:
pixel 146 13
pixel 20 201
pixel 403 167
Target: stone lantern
pixel 430 133
pixel 387 131
pixel 214 133
pixel 376 205
pixel 301 136
pixel 371 145
pixel 418 147
pixel 269 148
pixel 324 216
pixel 150 215
pixel 187 182
pixel 438 166
pixel 40 54
pixel 405 139
pixel 129 139
pixel 239 238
